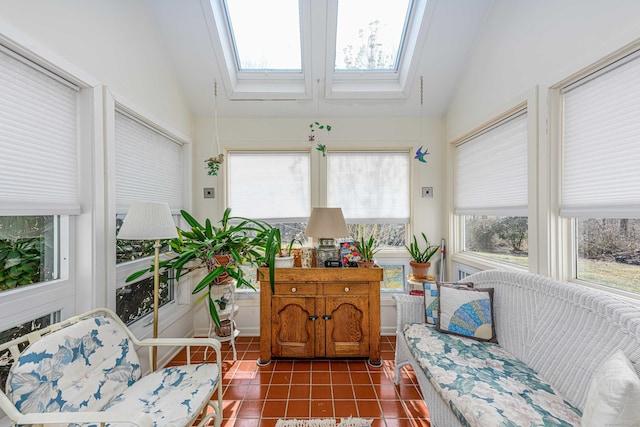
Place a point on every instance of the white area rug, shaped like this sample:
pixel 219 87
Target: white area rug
pixel 325 422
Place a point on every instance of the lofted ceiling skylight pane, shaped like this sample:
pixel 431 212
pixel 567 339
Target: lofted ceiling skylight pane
pixel 370 34
pixel 266 34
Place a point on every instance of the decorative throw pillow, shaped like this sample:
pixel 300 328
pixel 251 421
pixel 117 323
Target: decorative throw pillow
pixel 467 312
pixel 431 298
pixel 614 394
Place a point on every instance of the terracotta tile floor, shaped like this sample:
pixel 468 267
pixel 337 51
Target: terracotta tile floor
pixel 336 388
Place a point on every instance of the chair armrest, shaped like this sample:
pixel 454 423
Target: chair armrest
pixel 409 308
pixel 182 342
pixel 141 420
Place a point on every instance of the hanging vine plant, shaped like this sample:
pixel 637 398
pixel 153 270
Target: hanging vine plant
pixel 213 164
pixel 312 137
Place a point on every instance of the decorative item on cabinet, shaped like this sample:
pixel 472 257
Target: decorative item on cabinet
pixel 326 224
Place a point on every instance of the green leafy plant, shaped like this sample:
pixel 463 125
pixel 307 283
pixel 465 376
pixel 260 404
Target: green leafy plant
pixel 243 240
pixel 20 262
pixel 367 248
pixel 288 248
pixel 421 256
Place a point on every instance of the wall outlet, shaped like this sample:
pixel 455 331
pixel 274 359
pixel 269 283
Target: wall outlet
pixel 209 193
pixel 427 192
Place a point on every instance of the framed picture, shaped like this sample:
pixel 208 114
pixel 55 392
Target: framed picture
pixel 348 252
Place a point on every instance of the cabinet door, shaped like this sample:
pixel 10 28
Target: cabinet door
pixel 347 330
pixel 293 326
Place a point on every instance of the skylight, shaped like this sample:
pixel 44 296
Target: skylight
pixel 266 34
pixel 370 34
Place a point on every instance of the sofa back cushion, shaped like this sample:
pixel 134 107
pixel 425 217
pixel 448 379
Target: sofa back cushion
pixel 80 367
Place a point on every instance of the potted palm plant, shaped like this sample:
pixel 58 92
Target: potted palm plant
pixel 218 249
pixel 420 263
pixel 367 248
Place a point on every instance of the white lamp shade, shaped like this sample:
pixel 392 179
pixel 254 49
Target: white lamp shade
pixel 148 221
pixel 326 222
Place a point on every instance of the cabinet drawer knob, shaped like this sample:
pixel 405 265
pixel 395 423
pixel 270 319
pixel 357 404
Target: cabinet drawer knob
pixel 293 289
pixel 346 289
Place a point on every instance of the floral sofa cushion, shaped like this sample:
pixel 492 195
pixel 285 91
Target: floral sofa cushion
pixel 484 385
pixel 95 363
pixel 157 393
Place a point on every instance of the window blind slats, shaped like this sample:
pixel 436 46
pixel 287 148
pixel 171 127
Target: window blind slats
pixel 601 145
pixel 148 166
pixel 370 187
pixel 491 171
pixel 38 142
pixel 270 185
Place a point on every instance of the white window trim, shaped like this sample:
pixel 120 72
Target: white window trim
pixel 168 313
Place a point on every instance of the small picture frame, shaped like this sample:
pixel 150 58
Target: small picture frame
pixel 348 252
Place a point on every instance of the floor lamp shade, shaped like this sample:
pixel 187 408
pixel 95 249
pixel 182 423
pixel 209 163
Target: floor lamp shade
pixel 148 221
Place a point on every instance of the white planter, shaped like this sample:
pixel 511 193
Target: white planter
pixel 284 261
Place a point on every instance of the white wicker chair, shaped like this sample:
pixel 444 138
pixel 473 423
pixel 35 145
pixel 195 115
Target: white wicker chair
pixel 86 370
pixel 562 330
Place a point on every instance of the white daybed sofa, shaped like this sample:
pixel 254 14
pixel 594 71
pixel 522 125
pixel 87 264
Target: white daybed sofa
pixel 561 331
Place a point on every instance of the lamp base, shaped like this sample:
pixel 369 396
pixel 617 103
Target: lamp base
pixel 326 251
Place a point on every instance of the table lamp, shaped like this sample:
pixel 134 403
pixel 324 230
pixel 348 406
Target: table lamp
pixel 150 221
pixel 326 224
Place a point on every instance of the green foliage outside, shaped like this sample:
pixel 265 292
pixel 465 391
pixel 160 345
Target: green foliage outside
pixel 23 251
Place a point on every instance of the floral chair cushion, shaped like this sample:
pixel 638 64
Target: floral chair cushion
pixel 80 367
pixel 157 393
pixel 484 385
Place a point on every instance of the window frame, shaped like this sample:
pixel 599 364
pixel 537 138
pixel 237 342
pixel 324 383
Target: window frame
pixel 117 273
pixel 562 232
pixel 533 102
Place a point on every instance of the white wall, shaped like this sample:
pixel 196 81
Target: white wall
pixel 115 41
pixel 427 214
pixel 541 42
pixel 115 44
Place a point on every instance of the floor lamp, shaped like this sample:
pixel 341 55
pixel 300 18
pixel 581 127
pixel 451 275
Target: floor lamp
pixel 150 221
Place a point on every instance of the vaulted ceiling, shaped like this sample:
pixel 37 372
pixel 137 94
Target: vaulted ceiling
pixel 193 32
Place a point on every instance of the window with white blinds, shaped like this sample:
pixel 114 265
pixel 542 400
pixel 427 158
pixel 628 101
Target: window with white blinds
pixel 491 170
pixel 369 186
pixel 148 165
pixel 601 143
pixel 269 185
pixel 38 140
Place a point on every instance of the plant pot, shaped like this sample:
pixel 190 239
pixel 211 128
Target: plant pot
pixel 420 270
pixel 365 264
pixel 284 261
pixel 225 329
pixel 222 260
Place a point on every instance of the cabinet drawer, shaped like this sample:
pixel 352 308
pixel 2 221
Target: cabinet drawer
pixel 346 288
pixel 295 289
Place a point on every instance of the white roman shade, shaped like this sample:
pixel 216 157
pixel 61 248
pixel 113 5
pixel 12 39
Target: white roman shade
pixel 491 170
pixel 269 185
pixel 601 144
pixel 38 140
pixel 369 186
pixel 148 165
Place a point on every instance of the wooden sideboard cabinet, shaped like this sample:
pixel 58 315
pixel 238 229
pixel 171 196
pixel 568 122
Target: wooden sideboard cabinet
pixel 320 312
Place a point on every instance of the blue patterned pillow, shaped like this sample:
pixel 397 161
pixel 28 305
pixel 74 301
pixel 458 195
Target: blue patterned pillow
pixel 466 312
pixel 431 298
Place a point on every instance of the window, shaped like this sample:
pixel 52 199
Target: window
pixel 18 331
pixel 272 50
pixel 266 35
pixel 600 154
pixel 271 175
pixel 372 188
pixel 39 187
pixel 491 191
pixel 370 34
pixel 149 167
